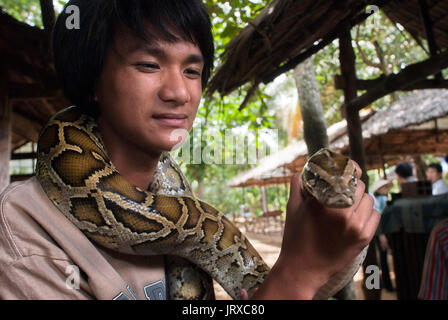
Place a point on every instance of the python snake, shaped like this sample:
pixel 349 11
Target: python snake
pixel 75 172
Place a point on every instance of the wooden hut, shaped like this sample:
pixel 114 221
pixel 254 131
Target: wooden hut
pixel 29 90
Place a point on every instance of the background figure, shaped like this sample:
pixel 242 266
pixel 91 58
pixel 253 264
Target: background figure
pixel 405 173
pixel 380 190
pixel 434 284
pixel 434 174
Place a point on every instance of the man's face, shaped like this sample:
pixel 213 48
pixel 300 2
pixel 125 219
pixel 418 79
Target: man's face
pixel 433 175
pixel 147 91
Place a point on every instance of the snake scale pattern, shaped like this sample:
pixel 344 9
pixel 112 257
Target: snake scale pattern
pixel 75 172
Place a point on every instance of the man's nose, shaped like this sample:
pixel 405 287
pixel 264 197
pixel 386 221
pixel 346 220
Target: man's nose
pixel 174 88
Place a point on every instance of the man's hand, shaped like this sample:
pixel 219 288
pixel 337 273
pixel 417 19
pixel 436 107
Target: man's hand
pixel 318 242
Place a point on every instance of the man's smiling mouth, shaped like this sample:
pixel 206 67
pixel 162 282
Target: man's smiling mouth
pixel 171 119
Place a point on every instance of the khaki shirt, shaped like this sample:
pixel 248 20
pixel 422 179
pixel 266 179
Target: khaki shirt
pixel 44 256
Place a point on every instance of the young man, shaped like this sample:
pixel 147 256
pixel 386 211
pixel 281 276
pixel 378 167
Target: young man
pixel 434 174
pixel 405 173
pixel 140 67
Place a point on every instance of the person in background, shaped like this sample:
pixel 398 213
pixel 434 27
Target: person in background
pixel 434 174
pixel 380 190
pixel 404 172
pixel 434 282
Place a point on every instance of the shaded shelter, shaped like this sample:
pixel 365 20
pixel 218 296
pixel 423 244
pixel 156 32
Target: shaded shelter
pixel 417 124
pixel 29 89
pixel 389 135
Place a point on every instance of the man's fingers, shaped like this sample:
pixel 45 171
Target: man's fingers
pixel 360 192
pixel 244 295
pixel 295 193
pixel 372 224
pixel 358 170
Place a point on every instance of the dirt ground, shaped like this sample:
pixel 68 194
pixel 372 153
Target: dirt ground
pixel 269 249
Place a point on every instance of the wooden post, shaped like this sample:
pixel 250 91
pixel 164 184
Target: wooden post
pixel 5 135
pixel 429 32
pixel 357 152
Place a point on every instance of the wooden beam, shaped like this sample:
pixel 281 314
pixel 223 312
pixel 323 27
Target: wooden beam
pixel 367 84
pixel 25 127
pixel 48 15
pixel 34 91
pixel 21 177
pixel 405 78
pixel 5 134
pixel 24 156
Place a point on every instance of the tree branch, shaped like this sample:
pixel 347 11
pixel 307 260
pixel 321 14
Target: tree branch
pixel 409 76
pixel 363 54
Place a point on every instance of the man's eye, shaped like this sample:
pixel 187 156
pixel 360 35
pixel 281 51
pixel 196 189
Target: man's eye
pixel 149 66
pixel 193 72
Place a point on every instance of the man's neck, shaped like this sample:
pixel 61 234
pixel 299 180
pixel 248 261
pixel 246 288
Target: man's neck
pixel 133 164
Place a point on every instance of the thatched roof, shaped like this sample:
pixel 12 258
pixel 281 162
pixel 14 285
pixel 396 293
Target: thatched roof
pixel 28 71
pixel 416 124
pixel 288 32
pixel 407 14
pixel 279 167
pixel 284 31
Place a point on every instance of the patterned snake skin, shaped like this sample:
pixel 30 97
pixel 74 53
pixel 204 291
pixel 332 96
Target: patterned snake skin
pixel 199 241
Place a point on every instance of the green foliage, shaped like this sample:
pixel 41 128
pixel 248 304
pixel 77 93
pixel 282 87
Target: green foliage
pixel 23 10
pixel 399 50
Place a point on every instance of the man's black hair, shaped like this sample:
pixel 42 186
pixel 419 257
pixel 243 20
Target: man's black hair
pixel 436 166
pixel 80 54
pixel 404 170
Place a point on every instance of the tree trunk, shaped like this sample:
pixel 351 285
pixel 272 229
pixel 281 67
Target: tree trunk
pixel 315 129
pixel 5 136
pixel 264 202
pixel 314 124
pixel 200 190
pixel 420 167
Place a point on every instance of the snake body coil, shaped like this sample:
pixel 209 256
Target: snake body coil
pixel 78 177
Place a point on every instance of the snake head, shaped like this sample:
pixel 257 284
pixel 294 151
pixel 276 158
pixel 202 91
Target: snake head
pixel 330 178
